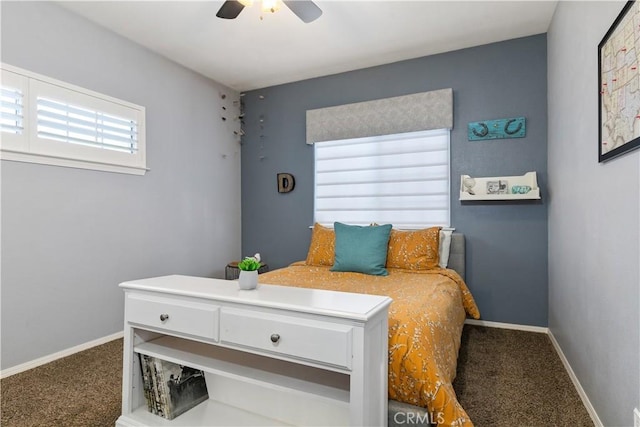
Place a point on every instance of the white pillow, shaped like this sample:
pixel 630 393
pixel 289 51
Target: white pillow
pixel 445 246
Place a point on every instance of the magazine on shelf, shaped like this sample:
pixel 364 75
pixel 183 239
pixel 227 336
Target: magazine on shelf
pixel 170 388
pixel 146 381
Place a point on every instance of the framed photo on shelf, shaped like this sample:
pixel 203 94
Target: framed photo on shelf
pixel 498 187
pixel 618 77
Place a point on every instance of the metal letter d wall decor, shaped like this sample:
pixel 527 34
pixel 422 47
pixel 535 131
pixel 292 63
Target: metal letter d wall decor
pixel 286 182
pixel 497 129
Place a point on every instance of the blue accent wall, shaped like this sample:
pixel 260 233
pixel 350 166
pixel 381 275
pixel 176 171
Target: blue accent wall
pixel 506 241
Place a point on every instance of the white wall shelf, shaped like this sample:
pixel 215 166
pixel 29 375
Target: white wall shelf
pixel 500 187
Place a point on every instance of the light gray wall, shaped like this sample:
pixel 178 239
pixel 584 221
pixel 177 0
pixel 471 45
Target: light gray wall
pixel 69 236
pixel 506 242
pixel 593 222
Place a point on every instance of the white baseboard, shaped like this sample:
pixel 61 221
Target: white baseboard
pixel 574 379
pixel 489 324
pixel 59 355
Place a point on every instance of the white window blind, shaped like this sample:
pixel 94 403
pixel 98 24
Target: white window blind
pixel 61 121
pixel 52 122
pixel 12 113
pixel 400 179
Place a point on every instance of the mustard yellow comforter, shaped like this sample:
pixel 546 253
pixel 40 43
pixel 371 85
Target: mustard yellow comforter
pixel 425 325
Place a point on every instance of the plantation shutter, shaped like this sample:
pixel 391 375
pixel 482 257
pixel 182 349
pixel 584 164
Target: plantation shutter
pixel 65 122
pixel 12 112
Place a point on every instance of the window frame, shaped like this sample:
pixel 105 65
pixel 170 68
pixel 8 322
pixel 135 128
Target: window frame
pixel 31 148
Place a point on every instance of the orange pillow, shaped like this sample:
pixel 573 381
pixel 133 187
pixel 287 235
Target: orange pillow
pixel 414 250
pixel 322 249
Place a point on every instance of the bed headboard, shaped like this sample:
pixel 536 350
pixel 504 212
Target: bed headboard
pixel 456 254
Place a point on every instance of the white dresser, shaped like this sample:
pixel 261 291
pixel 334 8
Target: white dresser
pixel 272 356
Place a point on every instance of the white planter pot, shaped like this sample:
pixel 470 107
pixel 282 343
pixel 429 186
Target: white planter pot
pixel 248 279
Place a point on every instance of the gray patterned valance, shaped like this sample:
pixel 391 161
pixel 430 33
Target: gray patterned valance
pixel 408 113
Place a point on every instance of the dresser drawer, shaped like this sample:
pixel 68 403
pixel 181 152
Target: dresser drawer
pixel 301 338
pixel 185 317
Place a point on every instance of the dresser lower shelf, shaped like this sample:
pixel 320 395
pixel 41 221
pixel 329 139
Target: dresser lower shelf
pixel 284 392
pixel 215 413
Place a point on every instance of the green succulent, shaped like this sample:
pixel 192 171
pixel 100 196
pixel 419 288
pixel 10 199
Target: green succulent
pixel 249 264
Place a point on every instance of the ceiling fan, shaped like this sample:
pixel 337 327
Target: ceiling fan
pixel 306 10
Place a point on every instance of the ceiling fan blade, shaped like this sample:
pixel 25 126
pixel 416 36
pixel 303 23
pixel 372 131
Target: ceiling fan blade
pixel 306 10
pixel 230 9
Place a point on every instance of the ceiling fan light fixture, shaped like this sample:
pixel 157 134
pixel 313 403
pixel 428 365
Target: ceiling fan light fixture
pixel 306 10
pixel 270 6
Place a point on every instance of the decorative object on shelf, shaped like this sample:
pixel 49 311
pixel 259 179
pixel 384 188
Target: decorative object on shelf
pixel 248 280
pixel 497 187
pixel 497 129
pixel 468 184
pixel 520 189
pixel 618 74
pixel 249 272
pixel 232 272
pixel 523 187
pixel 286 183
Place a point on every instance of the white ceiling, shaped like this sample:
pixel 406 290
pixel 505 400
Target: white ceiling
pixel 249 53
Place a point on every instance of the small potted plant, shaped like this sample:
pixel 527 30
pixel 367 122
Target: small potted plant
pixel 249 266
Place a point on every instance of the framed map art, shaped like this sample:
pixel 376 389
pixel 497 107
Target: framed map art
pixel 619 85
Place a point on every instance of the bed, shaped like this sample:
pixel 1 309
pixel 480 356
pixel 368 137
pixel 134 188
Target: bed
pixel 429 308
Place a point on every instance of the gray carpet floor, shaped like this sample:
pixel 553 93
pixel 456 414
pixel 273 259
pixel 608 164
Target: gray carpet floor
pixel 514 378
pixel 505 378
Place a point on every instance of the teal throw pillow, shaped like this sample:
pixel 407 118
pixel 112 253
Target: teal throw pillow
pixel 361 249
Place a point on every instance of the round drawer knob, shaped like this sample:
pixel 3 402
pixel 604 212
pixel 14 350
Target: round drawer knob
pixel 164 317
pixel 275 338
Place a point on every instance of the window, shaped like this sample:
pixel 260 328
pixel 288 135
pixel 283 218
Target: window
pixel 400 179
pixel 52 122
pixel 12 115
pixel 61 121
